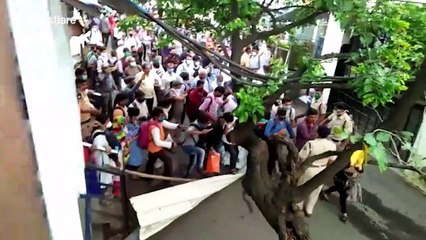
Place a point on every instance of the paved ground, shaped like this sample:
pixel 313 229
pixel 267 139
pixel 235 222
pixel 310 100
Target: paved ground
pixel 391 210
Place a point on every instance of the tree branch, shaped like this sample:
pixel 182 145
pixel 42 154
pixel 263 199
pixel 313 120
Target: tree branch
pixel 335 55
pixel 264 35
pixel 301 168
pixel 304 190
pixel 400 166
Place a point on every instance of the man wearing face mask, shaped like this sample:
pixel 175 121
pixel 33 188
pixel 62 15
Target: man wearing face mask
pixel 169 76
pixel 274 127
pixel 133 69
pixel 131 40
pixel 140 104
pixel 186 66
pixel 159 141
pixel 290 111
pixel 202 76
pixel 255 59
pixel 94 36
pixel 341 125
pixel 102 59
pixel 197 67
pixel 319 105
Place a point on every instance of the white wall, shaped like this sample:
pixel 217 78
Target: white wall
pixel 46 68
pixel 332 44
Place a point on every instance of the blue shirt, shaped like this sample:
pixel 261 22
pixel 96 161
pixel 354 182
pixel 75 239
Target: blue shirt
pixel 274 126
pixel 137 154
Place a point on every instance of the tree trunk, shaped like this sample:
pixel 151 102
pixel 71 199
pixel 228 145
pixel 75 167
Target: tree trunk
pixel 401 110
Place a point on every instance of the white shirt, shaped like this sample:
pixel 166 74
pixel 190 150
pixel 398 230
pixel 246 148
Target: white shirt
pixel 186 67
pixel 93 37
pixel 131 41
pixel 338 124
pixel 143 108
pixel 155 132
pixel 147 85
pixel 167 78
pixel 230 105
pixel 319 105
pixel 102 158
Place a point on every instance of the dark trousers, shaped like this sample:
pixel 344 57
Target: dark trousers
pixel 105 38
pixel 149 104
pixel 233 152
pixel 340 187
pixel 165 158
pixel 272 149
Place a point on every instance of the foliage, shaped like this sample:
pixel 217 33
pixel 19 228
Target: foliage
pixel 392 37
pixel 131 22
pixel 383 145
pixel 314 70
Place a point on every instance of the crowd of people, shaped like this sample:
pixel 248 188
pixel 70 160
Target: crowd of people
pixel 144 102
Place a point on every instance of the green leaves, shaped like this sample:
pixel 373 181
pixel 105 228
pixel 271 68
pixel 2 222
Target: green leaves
pixel 251 104
pixel 379 153
pixel 383 137
pixel 370 139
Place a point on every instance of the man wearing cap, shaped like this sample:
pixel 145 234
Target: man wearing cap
pixel 106 86
pixel 312 148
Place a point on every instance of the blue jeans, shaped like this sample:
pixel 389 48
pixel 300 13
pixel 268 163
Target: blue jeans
pixel 196 156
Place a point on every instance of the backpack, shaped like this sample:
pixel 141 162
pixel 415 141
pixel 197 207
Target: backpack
pixel 143 135
pixel 115 74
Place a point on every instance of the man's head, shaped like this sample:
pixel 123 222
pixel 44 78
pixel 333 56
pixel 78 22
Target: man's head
pixel 126 52
pixel 196 60
pixel 226 118
pixel 255 50
pixel 200 85
pixel 146 68
pixel 113 53
pixel 219 91
pixel 247 50
pixel 134 49
pixel 287 102
pixel 318 94
pixel 323 131
pixel 80 73
pixel 339 109
pixel 184 76
pixel 311 116
pixel 188 59
pixel 132 62
pixel 102 121
pixel 102 51
pixel 81 84
pixel 228 91
pixel 176 84
pixel 170 66
pixel 158 114
pixel 203 118
pixel 281 112
pixel 129 81
pixel 121 99
pixel 156 63
pixel 133 113
pixel 139 96
pixel 202 74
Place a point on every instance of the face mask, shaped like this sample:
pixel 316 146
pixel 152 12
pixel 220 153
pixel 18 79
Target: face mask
pixel 170 70
pixel 94 29
pixel 161 119
pixel 254 53
pixel 127 54
pixel 84 77
pixel 317 96
pixel 104 54
pixel 188 62
pixel 132 64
